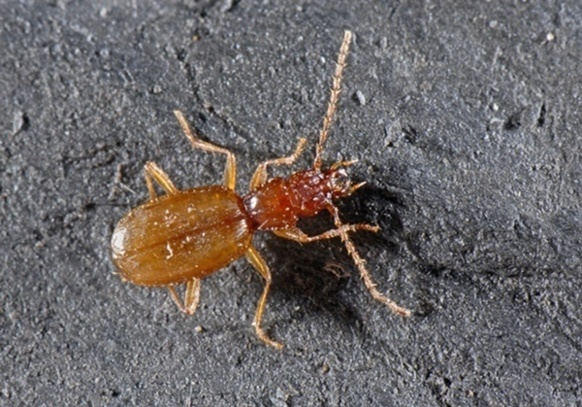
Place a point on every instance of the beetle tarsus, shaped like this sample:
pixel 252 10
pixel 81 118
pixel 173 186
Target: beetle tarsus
pixel 191 297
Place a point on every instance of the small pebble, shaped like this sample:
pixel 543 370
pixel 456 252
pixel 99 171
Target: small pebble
pixel 360 98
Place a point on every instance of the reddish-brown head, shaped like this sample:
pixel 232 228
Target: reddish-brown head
pixel 313 190
pixel 280 202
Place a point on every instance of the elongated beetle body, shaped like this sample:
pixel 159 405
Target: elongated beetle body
pixel 184 236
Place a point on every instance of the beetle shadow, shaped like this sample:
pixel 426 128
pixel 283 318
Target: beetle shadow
pixel 321 275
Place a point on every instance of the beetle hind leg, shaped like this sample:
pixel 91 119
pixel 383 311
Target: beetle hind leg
pixel 191 297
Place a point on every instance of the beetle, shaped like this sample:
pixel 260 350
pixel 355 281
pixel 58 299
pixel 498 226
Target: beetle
pixel 184 236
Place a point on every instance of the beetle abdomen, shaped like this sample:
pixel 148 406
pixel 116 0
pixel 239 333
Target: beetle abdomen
pixel 173 238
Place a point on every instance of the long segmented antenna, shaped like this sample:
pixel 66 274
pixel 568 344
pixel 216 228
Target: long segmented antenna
pixel 334 96
pixel 361 265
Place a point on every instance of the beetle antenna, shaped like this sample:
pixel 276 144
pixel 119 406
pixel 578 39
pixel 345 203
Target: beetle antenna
pixel 334 96
pixel 361 265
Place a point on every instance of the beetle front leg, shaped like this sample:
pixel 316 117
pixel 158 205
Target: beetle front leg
pixel 260 175
pixel 259 264
pixel 191 296
pixel 155 173
pixel 298 235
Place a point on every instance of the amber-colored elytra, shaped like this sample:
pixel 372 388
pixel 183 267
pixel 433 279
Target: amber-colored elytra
pixel 184 236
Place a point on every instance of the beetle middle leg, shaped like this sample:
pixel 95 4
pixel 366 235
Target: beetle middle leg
pixel 154 173
pixel 260 265
pixel 229 169
pixel 260 175
pixel 191 297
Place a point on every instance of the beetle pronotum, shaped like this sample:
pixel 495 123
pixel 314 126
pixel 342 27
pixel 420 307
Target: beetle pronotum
pixel 184 236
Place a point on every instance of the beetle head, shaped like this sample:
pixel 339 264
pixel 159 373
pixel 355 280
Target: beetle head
pixel 340 182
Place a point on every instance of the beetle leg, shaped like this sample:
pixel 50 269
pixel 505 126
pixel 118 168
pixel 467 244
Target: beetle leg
pixel 298 235
pixel 191 296
pixel 260 176
pixel 229 169
pixel 361 265
pixel 259 264
pixel 155 173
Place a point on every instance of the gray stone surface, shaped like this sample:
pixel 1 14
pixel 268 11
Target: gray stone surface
pixel 466 121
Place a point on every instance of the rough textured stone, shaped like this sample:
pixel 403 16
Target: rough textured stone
pixel 468 138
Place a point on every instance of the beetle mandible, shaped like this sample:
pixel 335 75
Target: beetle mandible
pixel 186 235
